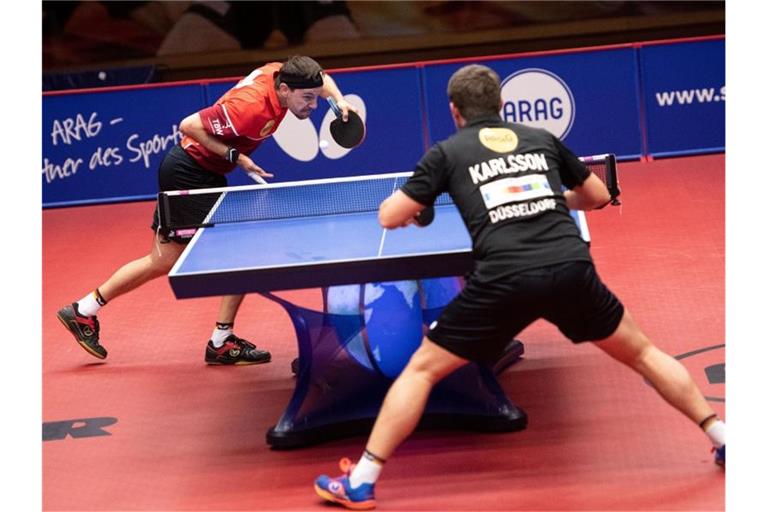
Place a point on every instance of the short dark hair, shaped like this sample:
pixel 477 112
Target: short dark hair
pixel 475 91
pixel 301 72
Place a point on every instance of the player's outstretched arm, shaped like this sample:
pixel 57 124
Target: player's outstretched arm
pixel 192 126
pixel 331 90
pixel 398 210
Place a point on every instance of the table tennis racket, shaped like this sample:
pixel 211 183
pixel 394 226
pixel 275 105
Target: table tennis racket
pixel 256 177
pixel 346 134
pixel 425 217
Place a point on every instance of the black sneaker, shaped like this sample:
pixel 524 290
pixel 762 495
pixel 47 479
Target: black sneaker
pixel 85 329
pixel 235 351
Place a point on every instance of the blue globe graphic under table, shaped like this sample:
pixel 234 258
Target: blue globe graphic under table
pixel 396 317
pixel 350 353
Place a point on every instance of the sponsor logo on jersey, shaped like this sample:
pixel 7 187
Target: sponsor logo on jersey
pixel 539 98
pixel 267 128
pixel 216 125
pixel 510 190
pixel 500 140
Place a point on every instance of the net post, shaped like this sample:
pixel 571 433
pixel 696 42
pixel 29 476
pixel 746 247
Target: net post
pixel 163 210
pixel 612 179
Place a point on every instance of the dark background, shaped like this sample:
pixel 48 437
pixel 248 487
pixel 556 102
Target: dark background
pixel 88 44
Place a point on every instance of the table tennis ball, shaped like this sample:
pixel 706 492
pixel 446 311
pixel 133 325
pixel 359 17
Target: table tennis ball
pixel 323 144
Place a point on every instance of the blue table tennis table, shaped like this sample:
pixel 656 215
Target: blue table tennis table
pixel 325 234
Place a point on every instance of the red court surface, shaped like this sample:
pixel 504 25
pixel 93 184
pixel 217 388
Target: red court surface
pixel 191 437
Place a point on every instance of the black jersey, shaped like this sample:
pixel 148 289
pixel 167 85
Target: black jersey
pixel 506 180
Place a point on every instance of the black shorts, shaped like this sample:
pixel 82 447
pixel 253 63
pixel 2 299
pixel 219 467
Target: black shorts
pixel 485 316
pixel 179 171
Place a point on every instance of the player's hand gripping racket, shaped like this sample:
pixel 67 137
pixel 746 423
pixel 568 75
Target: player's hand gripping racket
pixel 346 134
pixel 425 217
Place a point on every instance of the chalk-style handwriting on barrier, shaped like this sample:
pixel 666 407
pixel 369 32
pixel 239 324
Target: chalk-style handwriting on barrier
pixel 75 130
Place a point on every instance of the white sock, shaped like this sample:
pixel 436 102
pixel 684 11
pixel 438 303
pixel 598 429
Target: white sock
pixel 88 305
pixel 366 471
pixel 220 334
pixel 716 433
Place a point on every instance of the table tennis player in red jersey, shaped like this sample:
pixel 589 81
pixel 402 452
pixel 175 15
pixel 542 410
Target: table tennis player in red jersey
pixel 216 140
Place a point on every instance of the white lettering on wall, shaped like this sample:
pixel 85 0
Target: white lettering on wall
pixel 75 129
pixel 53 171
pixel 79 128
pixel 153 146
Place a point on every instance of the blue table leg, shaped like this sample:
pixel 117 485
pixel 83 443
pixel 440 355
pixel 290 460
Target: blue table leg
pixel 350 353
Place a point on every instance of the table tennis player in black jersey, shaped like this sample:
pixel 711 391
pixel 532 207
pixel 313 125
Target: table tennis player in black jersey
pixel 530 263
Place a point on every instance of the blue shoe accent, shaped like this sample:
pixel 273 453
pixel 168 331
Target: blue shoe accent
pixel 720 455
pixel 339 490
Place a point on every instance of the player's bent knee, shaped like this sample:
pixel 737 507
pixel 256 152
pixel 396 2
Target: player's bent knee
pixel 628 344
pixel 433 362
pixel 162 261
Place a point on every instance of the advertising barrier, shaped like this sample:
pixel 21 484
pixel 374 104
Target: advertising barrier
pixel 684 93
pixel 589 100
pixel 650 99
pixel 106 146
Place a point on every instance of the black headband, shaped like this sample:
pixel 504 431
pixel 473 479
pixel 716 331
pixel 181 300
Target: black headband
pixel 301 82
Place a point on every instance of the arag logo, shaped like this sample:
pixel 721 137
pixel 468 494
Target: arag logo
pixel 500 140
pixel 301 140
pixel 539 98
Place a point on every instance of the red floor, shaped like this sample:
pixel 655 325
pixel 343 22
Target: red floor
pixel 191 437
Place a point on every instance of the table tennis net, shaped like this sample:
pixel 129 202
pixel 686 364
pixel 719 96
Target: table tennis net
pixel 279 201
pixel 203 208
pixel 604 166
